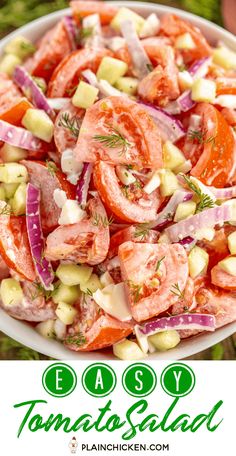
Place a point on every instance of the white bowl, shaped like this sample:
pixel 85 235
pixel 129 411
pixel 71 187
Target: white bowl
pixel 25 334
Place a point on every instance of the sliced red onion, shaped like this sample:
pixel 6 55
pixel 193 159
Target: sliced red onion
pixel 185 101
pixel 105 89
pixel 170 128
pixel 199 69
pixel 83 184
pixel 71 30
pixel 224 193
pixel 31 90
pixel 58 103
pixel 209 218
pixel 188 243
pixel 168 212
pixel 140 59
pixel 35 235
pixel 19 137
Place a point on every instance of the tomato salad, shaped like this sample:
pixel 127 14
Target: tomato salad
pixel 118 181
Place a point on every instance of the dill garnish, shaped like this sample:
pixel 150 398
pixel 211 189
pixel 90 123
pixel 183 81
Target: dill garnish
pixel 71 123
pixel 200 137
pixel 142 231
pixel 176 291
pixel 77 340
pixel 41 292
pixel 159 263
pixel 114 140
pixel 99 220
pixel 205 201
pixel 51 167
pixel 136 290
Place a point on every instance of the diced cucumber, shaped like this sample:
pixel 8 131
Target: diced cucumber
pixel 72 274
pixel 66 313
pixel 203 90
pixel 11 292
pixel 153 183
pixel 205 233
pixel 92 285
pixel 225 58
pixel 128 350
pixel 184 210
pixel 151 26
pixel 169 182
pixel 13 173
pixel 165 340
pixel 172 156
pixel 20 46
pixel 185 80
pixel 232 243
pixel 111 69
pixel 184 168
pixel 46 329
pixel 125 176
pixel 106 279
pixel 127 14
pixel 59 329
pixel 39 124
pixel 8 64
pixel 127 85
pixel 198 261
pixel 18 202
pixel 12 154
pixel 184 41
pixel 2 193
pixel 66 294
pixel 229 265
pixel 10 190
pixel 85 95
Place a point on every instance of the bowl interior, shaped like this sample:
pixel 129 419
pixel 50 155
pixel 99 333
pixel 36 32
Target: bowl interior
pixel 24 333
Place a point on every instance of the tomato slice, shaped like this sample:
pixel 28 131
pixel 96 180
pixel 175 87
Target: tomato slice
pixel 151 272
pixel 81 9
pixel 226 86
pixel 138 139
pixel 130 205
pixel 48 179
pixel 217 151
pixel 9 94
pixel 4 269
pixel 66 76
pixel 161 85
pixel 63 137
pixel 83 242
pixel 173 26
pixel 132 233
pixel 14 245
pixel 229 115
pixel 54 46
pixel 218 302
pixel 15 113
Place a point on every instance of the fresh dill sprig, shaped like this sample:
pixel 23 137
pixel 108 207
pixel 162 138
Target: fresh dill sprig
pixel 70 123
pixel 83 33
pixel 77 340
pixel 142 231
pixel 205 201
pixel 41 292
pixel 150 67
pixel 114 140
pixel 136 290
pixel 99 220
pixel 200 137
pixel 89 292
pixel 159 263
pixel 176 291
pixel 51 167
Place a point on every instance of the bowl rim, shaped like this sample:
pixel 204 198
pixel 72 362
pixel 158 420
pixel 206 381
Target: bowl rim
pixel 56 349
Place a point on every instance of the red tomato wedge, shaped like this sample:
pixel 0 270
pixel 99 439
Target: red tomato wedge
pixel 137 206
pixel 173 26
pixel 15 113
pixel 161 85
pixel 4 269
pixel 14 245
pixel 53 47
pixel 132 233
pixel 137 139
pixel 63 137
pixel 66 76
pixel 153 274
pixel 217 152
pixel 229 115
pixel 222 279
pixel 218 302
pixel 81 9
pixel 46 177
pixel 83 242
pixel 9 93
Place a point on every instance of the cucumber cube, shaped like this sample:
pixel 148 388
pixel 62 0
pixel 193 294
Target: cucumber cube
pixel 2 194
pixel 20 46
pixel 39 124
pixel 72 274
pixel 66 313
pixel 11 292
pixel 111 69
pixel 225 58
pixel 229 265
pixel 46 329
pixel 18 202
pixel 203 90
pixel 10 190
pixel 85 95
pixel 127 14
pixel 232 243
pixel 8 64
pixel 127 85
pixel 128 350
pixel 184 41
pixel 12 154
pixel 92 285
pixel 184 210
pixel 172 156
pixel 169 182
pixel 66 294
pixel 164 340
pixel 197 261
pixel 13 173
